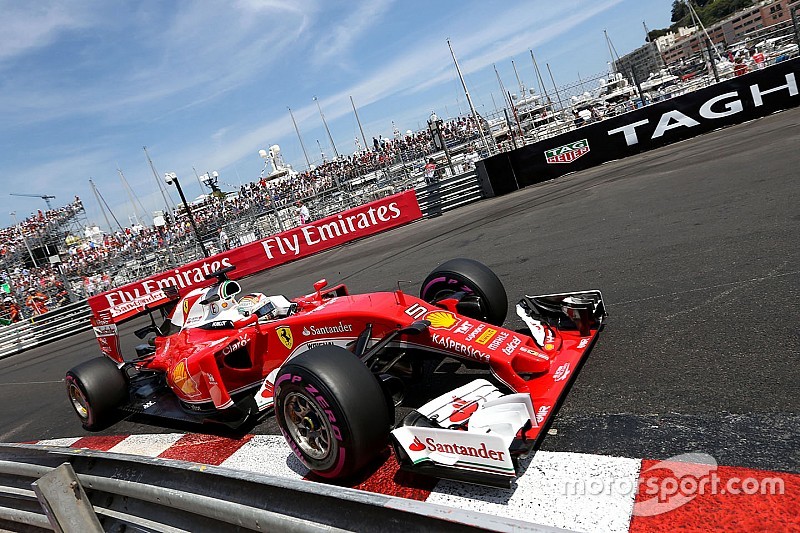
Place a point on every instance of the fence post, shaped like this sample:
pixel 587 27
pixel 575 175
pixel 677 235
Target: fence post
pixel 64 501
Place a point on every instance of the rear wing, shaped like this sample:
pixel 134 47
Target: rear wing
pixel 104 322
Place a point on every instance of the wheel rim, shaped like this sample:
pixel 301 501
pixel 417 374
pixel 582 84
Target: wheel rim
pixel 79 402
pixel 308 426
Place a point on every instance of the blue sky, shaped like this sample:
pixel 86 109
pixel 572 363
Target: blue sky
pixel 206 84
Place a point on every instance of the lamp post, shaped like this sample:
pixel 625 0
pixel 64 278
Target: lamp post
pixel 435 127
pixel 268 159
pixel 170 178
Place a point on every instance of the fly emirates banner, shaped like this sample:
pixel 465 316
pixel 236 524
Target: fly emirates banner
pixel 302 241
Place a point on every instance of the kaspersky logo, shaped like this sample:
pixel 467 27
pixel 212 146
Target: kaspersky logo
pixel 567 153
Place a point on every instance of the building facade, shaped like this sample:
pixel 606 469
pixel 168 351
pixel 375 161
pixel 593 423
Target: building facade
pixel 732 29
pixel 642 62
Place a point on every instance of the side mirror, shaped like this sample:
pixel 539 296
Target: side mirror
pixel 318 286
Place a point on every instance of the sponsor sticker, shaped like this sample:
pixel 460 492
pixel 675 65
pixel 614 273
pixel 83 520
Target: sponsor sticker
pixel 241 343
pixel 464 328
pixel 495 344
pixel 182 379
pixel 561 372
pixel 512 345
pixel 541 413
pixel 442 319
pixel 459 347
pixel 475 332
pixel 567 153
pixel 462 409
pixel 583 343
pixel 486 336
pixel 313 331
pixel 285 336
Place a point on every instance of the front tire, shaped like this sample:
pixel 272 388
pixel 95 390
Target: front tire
pixel 332 411
pixel 96 388
pixel 473 278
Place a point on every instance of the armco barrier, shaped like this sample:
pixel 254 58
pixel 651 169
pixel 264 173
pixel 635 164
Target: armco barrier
pixel 754 95
pixel 448 194
pixel 49 327
pixel 143 494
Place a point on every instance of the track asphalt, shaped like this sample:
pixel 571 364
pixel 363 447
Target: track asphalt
pixel 695 247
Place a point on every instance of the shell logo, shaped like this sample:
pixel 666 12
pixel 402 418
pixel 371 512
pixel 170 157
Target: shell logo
pixel 441 319
pixel 182 379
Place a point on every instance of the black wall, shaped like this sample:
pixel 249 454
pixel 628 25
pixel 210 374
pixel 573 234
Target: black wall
pixel 756 94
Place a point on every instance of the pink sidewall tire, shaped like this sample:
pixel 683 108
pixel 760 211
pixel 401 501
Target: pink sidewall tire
pixel 332 411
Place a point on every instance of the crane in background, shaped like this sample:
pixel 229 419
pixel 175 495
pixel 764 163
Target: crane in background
pixel 45 197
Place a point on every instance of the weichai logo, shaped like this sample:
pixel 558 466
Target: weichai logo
pixel 567 153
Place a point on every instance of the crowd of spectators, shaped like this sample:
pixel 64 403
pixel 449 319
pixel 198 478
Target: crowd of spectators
pixel 97 261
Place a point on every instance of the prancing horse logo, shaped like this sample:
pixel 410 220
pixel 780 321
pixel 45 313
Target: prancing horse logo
pixel 285 335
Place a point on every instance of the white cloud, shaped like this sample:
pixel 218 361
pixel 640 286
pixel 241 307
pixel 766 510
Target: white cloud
pixel 334 44
pixel 29 26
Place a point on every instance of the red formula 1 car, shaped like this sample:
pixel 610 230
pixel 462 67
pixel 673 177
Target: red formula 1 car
pixel 333 367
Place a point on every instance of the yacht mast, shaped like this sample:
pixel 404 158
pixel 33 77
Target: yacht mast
pixel 469 100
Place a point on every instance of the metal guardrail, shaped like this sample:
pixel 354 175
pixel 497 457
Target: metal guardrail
pixel 449 193
pixel 135 493
pixel 43 329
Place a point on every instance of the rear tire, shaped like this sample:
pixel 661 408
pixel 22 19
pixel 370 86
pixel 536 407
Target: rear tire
pixel 332 411
pixel 472 277
pixel 96 388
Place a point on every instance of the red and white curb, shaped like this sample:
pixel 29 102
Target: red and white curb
pixel 579 492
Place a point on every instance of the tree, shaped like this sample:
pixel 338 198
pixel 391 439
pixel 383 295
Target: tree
pixel 679 10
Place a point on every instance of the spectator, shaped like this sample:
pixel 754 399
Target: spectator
pixel 430 171
pixel 303 213
pixel 471 157
pixel 36 301
pixel 10 310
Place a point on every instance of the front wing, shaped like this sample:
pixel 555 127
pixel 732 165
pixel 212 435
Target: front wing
pixel 476 433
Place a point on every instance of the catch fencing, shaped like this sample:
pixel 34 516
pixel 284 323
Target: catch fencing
pixel 450 192
pixel 85 490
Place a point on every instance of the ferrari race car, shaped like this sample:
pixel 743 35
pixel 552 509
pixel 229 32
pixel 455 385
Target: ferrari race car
pixel 333 367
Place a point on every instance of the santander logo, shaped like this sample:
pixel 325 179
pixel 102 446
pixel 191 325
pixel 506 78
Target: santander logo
pixel 417 445
pixel 462 410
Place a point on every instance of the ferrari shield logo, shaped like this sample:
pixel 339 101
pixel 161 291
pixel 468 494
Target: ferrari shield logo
pixel 285 335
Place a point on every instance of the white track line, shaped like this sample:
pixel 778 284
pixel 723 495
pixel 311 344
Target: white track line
pixel 67 442
pixel 267 454
pixel 574 491
pixel 147 445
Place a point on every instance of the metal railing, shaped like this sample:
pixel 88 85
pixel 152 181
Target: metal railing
pixel 85 490
pixel 43 329
pixel 434 199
